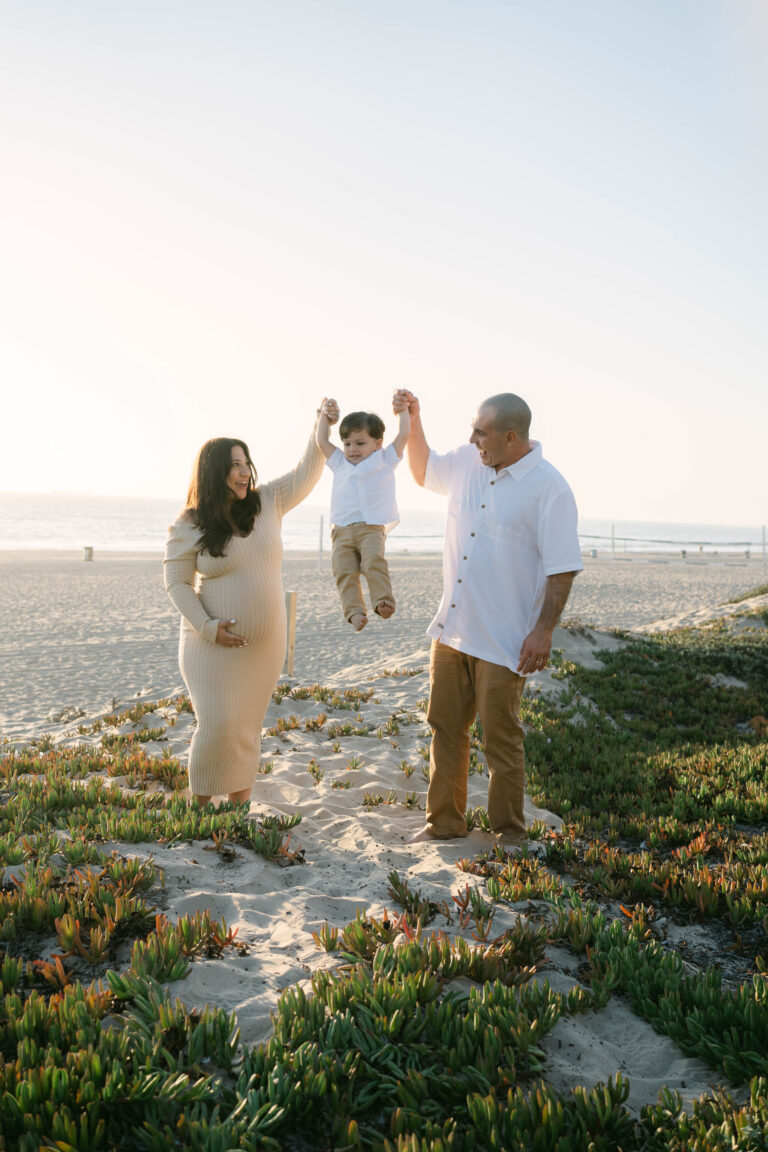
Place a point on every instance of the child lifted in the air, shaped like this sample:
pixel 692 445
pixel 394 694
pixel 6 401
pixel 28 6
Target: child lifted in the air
pixel 363 506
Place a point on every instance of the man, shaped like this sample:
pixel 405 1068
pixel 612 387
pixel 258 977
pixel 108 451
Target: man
pixel 511 553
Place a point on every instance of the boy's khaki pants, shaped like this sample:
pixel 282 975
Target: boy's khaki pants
pixel 461 687
pixel 357 548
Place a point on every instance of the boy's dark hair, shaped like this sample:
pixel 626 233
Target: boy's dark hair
pixel 354 421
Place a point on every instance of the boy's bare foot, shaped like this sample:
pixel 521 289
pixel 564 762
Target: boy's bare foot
pixel 385 609
pixel 358 620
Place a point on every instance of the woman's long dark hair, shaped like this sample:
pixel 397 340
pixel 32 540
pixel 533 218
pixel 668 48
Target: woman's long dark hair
pixel 208 499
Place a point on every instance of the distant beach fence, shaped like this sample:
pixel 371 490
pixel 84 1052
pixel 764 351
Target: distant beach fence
pixel 647 543
pixel 45 522
pixel 592 542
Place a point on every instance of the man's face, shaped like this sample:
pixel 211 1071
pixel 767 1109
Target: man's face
pixel 495 448
pixel 359 445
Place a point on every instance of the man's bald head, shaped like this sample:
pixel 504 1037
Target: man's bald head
pixel 509 413
pixel 500 430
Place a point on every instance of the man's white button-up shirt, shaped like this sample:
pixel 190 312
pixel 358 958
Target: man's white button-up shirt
pixel 364 492
pixel 505 533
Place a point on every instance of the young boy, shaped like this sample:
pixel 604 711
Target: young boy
pixel 363 507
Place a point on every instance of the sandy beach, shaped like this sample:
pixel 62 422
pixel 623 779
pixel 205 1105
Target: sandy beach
pixel 77 635
pixel 98 636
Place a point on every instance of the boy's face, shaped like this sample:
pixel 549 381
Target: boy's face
pixel 359 445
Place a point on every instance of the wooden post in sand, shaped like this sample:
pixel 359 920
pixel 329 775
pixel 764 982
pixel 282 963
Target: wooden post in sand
pixel 290 647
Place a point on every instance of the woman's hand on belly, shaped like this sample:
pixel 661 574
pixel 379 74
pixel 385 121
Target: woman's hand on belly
pixel 229 639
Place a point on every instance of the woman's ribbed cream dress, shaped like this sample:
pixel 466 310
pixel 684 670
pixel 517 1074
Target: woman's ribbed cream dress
pixel 230 688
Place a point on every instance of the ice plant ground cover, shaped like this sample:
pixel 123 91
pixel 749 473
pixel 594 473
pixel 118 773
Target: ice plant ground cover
pixel 430 1026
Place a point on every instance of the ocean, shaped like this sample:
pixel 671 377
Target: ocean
pixel 114 524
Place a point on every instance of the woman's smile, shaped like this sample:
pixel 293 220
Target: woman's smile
pixel 239 477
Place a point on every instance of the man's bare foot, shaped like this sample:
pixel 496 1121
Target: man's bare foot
pixel 358 620
pixel 385 609
pixel 420 836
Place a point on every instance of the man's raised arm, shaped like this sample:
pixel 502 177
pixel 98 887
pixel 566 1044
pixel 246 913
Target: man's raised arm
pixel 417 449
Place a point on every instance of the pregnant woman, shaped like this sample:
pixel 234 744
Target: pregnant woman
pixel 223 572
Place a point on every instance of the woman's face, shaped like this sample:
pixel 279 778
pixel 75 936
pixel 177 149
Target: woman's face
pixel 239 475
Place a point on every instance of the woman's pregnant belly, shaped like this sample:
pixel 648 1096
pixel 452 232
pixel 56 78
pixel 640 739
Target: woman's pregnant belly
pixel 257 606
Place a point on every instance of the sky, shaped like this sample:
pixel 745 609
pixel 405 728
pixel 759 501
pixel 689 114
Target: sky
pixel 213 214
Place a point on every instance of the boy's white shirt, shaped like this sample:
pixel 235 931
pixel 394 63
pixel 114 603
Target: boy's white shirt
pixel 364 492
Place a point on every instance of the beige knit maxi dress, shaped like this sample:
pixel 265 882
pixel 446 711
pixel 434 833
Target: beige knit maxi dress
pixel 230 688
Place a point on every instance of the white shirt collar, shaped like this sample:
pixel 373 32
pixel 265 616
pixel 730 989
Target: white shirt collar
pixel 524 465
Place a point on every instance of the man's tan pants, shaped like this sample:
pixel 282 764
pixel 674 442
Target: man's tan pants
pixel 357 548
pixel 461 687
